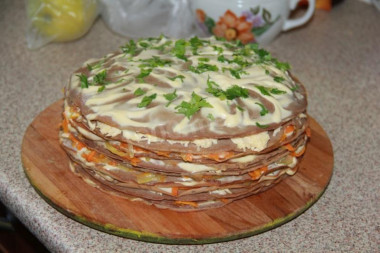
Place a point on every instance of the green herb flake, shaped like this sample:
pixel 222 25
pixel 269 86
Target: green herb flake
pixel 237 72
pixel 218 49
pixel 264 110
pixel 195 104
pixel 221 58
pixel 147 100
pixel 139 92
pixel 163 46
pixel 235 92
pixel 278 79
pixel 144 44
pixel 195 43
pixel 177 77
pixel 210 117
pixel 143 73
pixel 179 49
pixel 170 97
pixel 203 67
pixel 284 66
pixel 83 81
pixel 240 108
pixel 294 88
pixel 261 126
pixel 101 88
pixel 263 90
pixel 276 91
pixel 212 88
pixel 205 59
pixel 129 48
pixel 100 78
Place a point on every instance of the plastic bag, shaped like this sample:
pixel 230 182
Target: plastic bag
pixel 58 20
pixel 148 18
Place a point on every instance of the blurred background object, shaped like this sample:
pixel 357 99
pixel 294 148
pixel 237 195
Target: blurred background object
pixel 147 18
pixel 58 20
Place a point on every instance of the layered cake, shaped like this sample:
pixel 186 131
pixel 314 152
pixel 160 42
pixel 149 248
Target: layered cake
pixel 186 124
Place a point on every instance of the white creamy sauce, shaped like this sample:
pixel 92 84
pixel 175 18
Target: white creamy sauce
pixel 256 142
pixel 244 159
pixel 194 168
pixel 127 113
pixel 221 192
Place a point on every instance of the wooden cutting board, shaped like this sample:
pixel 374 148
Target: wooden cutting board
pixel 46 166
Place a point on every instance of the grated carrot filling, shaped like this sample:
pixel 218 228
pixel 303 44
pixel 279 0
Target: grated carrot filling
pixel 175 191
pixel 299 153
pixel 256 174
pixel 289 147
pixel 190 203
pixel 289 129
pixel 308 132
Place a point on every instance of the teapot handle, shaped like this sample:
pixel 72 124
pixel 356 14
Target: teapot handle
pixel 292 23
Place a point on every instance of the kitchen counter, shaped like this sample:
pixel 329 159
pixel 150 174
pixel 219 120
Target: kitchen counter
pixel 336 56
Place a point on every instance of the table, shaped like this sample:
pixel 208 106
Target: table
pixel 336 56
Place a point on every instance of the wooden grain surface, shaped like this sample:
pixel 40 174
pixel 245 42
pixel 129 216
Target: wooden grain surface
pixel 46 166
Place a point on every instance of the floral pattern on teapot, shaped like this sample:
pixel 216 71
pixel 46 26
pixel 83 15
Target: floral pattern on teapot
pixel 246 28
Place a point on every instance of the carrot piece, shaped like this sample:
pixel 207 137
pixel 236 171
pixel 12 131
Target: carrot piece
pixel 187 157
pixel 190 203
pixel 65 125
pixel 134 161
pixel 299 153
pixel 225 201
pixel 123 145
pixel 289 147
pixel 91 157
pixel 289 129
pixel 308 132
pixel 112 163
pixel 220 156
pixel 175 191
pixel 80 145
pixel 283 137
pixel 140 149
pixel 163 153
pixel 256 174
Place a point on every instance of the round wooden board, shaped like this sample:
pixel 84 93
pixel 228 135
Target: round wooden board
pixel 46 166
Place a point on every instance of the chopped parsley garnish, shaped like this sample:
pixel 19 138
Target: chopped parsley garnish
pixel 264 110
pixel 295 88
pixel 267 91
pixel 100 78
pixel 195 43
pixel 155 61
pixel 170 97
pixel 221 58
pixel 163 45
pixel 235 92
pixel 95 66
pixel 139 92
pixel 83 81
pixel 210 117
pixel 203 67
pixel 193 106
pixel 212 88
pixel 177 77
pixel 261 126
pixel 276 91
pixel 235 72
pixel 129 48
pixel 278 79
pixel 282 65
pixel 229 46
pixel 204 59
pixel 143 73
pixel 179 49
pixel 144 44
pixel 218 49
pixel 240 108
pixel 101 88
pixel 147 100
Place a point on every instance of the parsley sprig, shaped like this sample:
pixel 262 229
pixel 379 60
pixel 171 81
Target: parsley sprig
pixel 203 67
pixel 268 91
pixel 193 106
pixel 170 97
pixel 147 100
pixel 231 93
pixel 264 110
